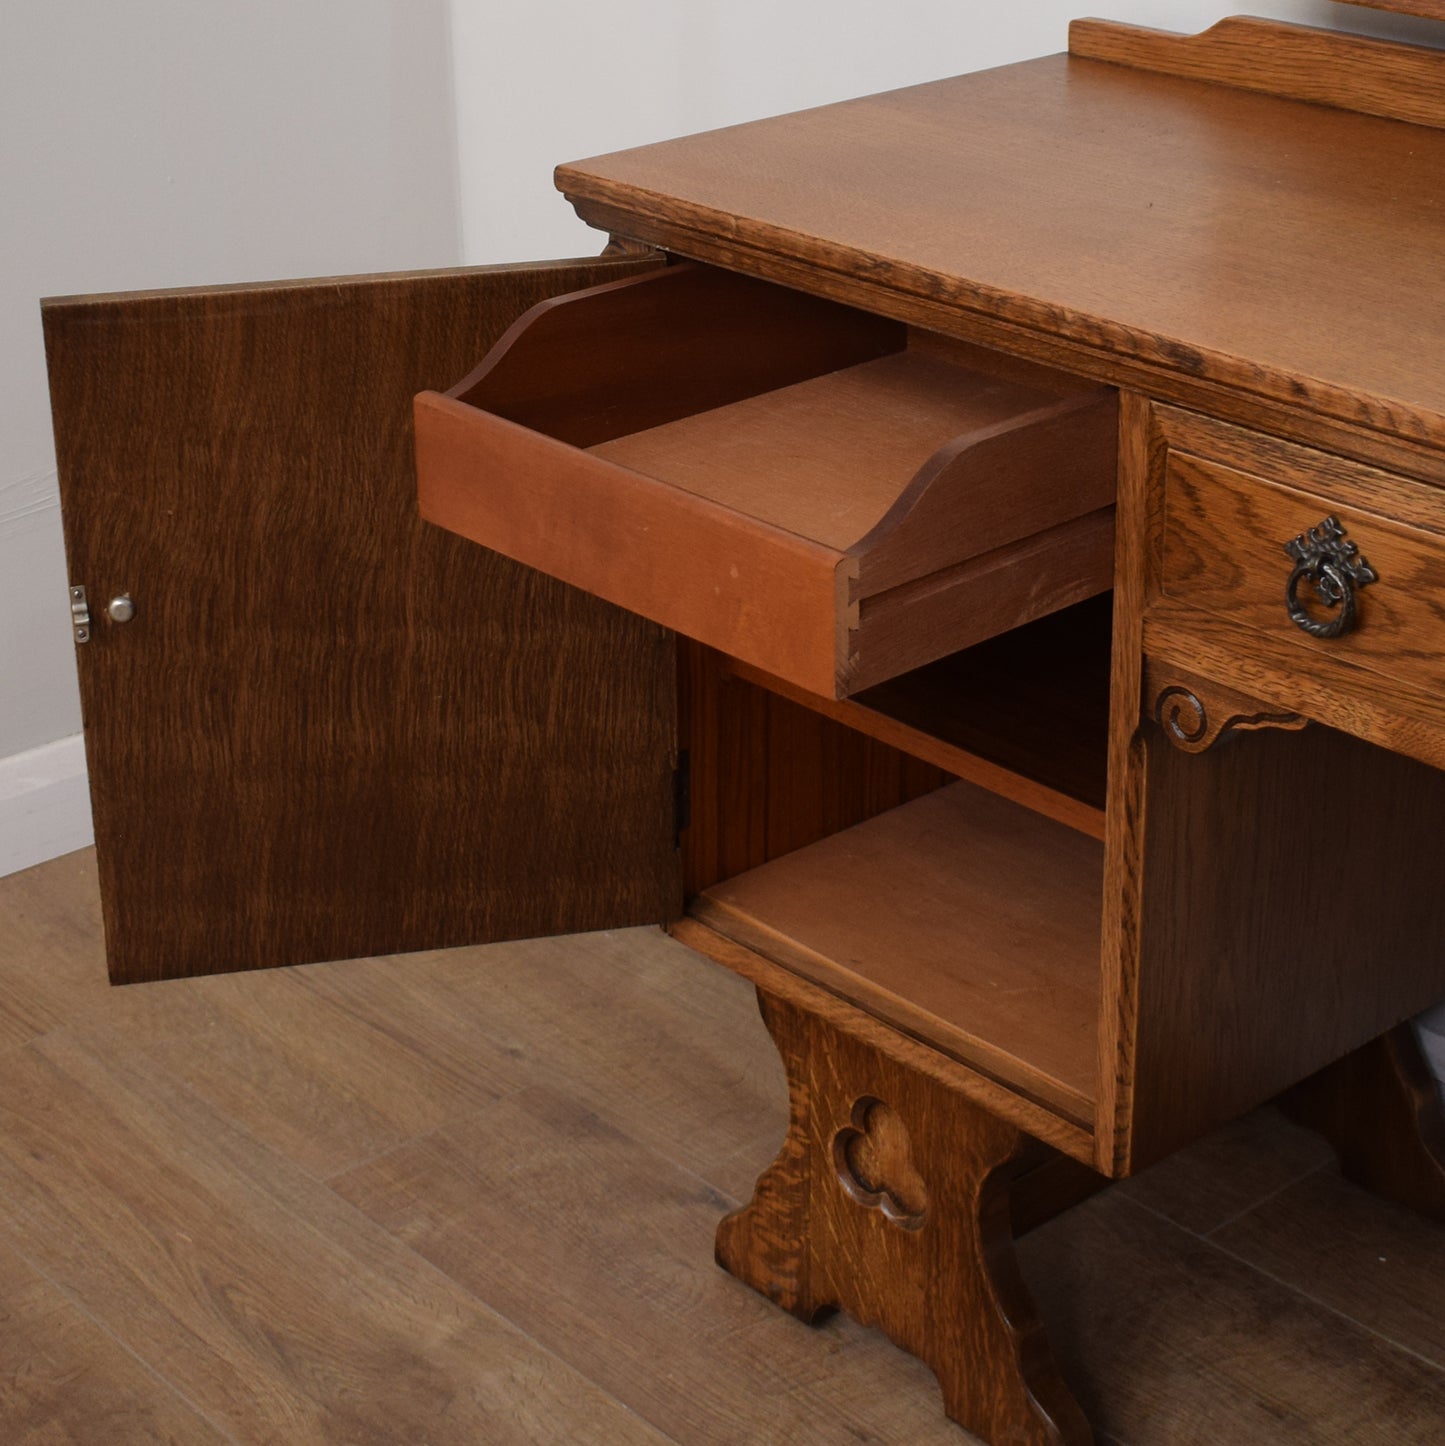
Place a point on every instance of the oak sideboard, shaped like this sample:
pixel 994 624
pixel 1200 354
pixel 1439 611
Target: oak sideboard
pixel 970 560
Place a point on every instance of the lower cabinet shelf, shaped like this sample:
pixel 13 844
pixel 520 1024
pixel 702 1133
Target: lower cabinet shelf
pixel 968 922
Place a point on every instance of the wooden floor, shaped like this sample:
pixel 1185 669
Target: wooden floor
pixel 469 1197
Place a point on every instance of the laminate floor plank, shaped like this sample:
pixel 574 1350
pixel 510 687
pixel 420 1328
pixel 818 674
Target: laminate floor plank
pixel 1229 1171
pixel 1168 1339
pixel 311 1079
pixel 64 1381
pixel 52 960
pixel 630 1023
pixel 537 1186
pixel 274 1307
pixel 1382 1266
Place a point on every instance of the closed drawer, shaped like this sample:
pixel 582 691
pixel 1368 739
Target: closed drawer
pixel 1243 544
pixel 800 485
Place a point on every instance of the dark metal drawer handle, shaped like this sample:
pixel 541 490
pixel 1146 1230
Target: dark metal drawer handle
pixel 1334 570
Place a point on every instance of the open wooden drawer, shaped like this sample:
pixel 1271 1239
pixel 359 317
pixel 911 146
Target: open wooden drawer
pixel 812 489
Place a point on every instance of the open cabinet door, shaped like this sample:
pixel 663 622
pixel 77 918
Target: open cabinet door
pixel 330 730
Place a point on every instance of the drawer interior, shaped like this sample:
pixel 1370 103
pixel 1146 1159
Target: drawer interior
pixel 811 489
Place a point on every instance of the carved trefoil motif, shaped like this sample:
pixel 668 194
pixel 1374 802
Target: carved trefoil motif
pixel 874 1159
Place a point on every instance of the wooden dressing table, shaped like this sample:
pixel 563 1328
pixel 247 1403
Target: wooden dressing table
pixel 885 585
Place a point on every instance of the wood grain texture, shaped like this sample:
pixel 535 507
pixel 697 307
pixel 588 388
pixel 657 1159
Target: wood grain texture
pixel 1398 717
pixel 1223 553
pixel 1220 500
pixel 1383 1267
pixel 539 1189
pixel 1027 348
pixel 273 1306
pixel 575 1209
pixel 910 1233
pixel 1264 953
pixel 782 521
pixel 1034 700
pixel 1153 1303
pixel 687 562
pixel 814 999
pixel 277 741
pixel 52 971
pixel 1384 1114
pixel 993 485
pixel 1293 62
pixel 961 918
pixel 769 773
pixel 628 355
pixel 982 597
pixel 1023 715
pixel 317 1082
pixel 1092 189
pixel 1228 1172
pixel 496 458
pixel 909 463
pixel 66 1380
pixel 838 456
pixel 1125 816
pixel 1195 713
pixel 1373 487
pixel 1215 899
pixel 626 1024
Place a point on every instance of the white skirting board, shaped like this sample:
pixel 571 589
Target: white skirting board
pixel 44 804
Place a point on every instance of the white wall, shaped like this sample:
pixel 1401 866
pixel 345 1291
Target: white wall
pixel 558 80
pixel 165 143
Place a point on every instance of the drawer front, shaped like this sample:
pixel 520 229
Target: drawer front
pixel 1241 536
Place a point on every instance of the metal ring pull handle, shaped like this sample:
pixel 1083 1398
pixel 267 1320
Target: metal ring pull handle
pixel 1335 572
pixel 1333 588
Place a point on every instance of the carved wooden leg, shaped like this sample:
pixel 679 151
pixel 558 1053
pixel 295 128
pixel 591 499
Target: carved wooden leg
pixel 890 1201
pixel 1381 1109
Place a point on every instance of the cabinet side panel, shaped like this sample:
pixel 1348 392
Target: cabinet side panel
pixel 1291 911
pixel 770 776
pixel 331 730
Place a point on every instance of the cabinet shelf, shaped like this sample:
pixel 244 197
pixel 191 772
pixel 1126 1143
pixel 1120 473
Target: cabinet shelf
pixel 789 481
pixel 1024 715
pixel 963 919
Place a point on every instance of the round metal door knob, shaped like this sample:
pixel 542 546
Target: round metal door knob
pixel 121 608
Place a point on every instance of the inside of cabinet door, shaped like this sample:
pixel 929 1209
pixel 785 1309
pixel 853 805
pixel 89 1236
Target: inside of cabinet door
pixel 331 730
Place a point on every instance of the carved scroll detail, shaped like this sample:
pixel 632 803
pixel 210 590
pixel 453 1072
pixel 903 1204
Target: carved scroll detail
pixel 1196 713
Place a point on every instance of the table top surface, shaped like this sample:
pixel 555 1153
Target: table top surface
pixel 1283 248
